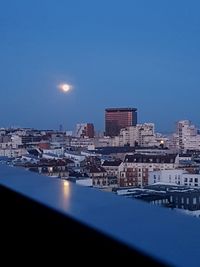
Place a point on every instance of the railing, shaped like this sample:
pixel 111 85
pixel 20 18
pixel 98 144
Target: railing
pixel 50 220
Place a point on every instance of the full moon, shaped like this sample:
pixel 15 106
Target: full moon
pixel 65 87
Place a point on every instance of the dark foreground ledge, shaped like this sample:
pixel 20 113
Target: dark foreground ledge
pixel 48 220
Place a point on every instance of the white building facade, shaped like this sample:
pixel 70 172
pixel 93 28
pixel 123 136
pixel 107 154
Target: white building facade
pixel 142 135
pixel 177 176
pixel 187 136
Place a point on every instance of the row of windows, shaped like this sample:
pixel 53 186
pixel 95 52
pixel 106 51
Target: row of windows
pixel 158 160
pixel 128 184
pixel 129 180
pixel 170 177
pixel 160 201
pixel 191 180
pixel 137 169
pixel 190 184
pixel 98 182
pixel 187 201
pixel 131 174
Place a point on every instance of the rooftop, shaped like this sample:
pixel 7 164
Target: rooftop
pixel 143 158
pixel 120 109
pixel 113 163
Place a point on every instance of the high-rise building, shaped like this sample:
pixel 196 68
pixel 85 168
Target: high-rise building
pixel 118 118
pixel 85 130
pixel 187 136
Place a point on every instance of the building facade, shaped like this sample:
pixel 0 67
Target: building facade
pixel 187 136
pixel 118 118
pixel 179 177
pixel 134 170
pixel 142 135
pixel 112 167
pixel 85 130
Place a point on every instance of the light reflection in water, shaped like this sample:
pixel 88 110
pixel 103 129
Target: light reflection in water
pixel 66 184
pixel 66 190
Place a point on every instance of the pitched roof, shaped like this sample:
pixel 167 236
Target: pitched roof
pixel 96 169
pixel 111 163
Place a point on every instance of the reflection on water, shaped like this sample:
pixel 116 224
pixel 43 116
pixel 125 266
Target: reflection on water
pixel 66 189
pixel 66 193
pixel 66 184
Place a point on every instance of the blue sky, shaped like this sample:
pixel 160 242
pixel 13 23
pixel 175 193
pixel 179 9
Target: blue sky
pixel 143 54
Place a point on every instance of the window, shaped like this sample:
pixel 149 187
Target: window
pixel 196 180
pixel 50 169
pixel 194 200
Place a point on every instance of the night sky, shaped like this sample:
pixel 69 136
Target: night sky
pixel 143 54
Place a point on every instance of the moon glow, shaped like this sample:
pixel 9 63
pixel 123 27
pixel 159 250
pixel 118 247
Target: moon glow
pixel 65 87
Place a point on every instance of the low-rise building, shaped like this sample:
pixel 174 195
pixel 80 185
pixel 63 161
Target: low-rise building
pixel 53 168
pixel 98 175
pixel 177 176
pixel 134 170
pixel 112 167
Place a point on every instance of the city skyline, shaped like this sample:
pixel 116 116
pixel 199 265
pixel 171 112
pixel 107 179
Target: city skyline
pixel 114 54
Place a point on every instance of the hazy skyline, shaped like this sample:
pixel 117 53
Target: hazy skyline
pixel 142 54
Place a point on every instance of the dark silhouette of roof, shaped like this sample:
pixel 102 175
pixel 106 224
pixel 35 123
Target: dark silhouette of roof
pixel 112 163
pixel 144 158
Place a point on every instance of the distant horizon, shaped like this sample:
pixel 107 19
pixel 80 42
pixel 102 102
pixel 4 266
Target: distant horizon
pixel 96 129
